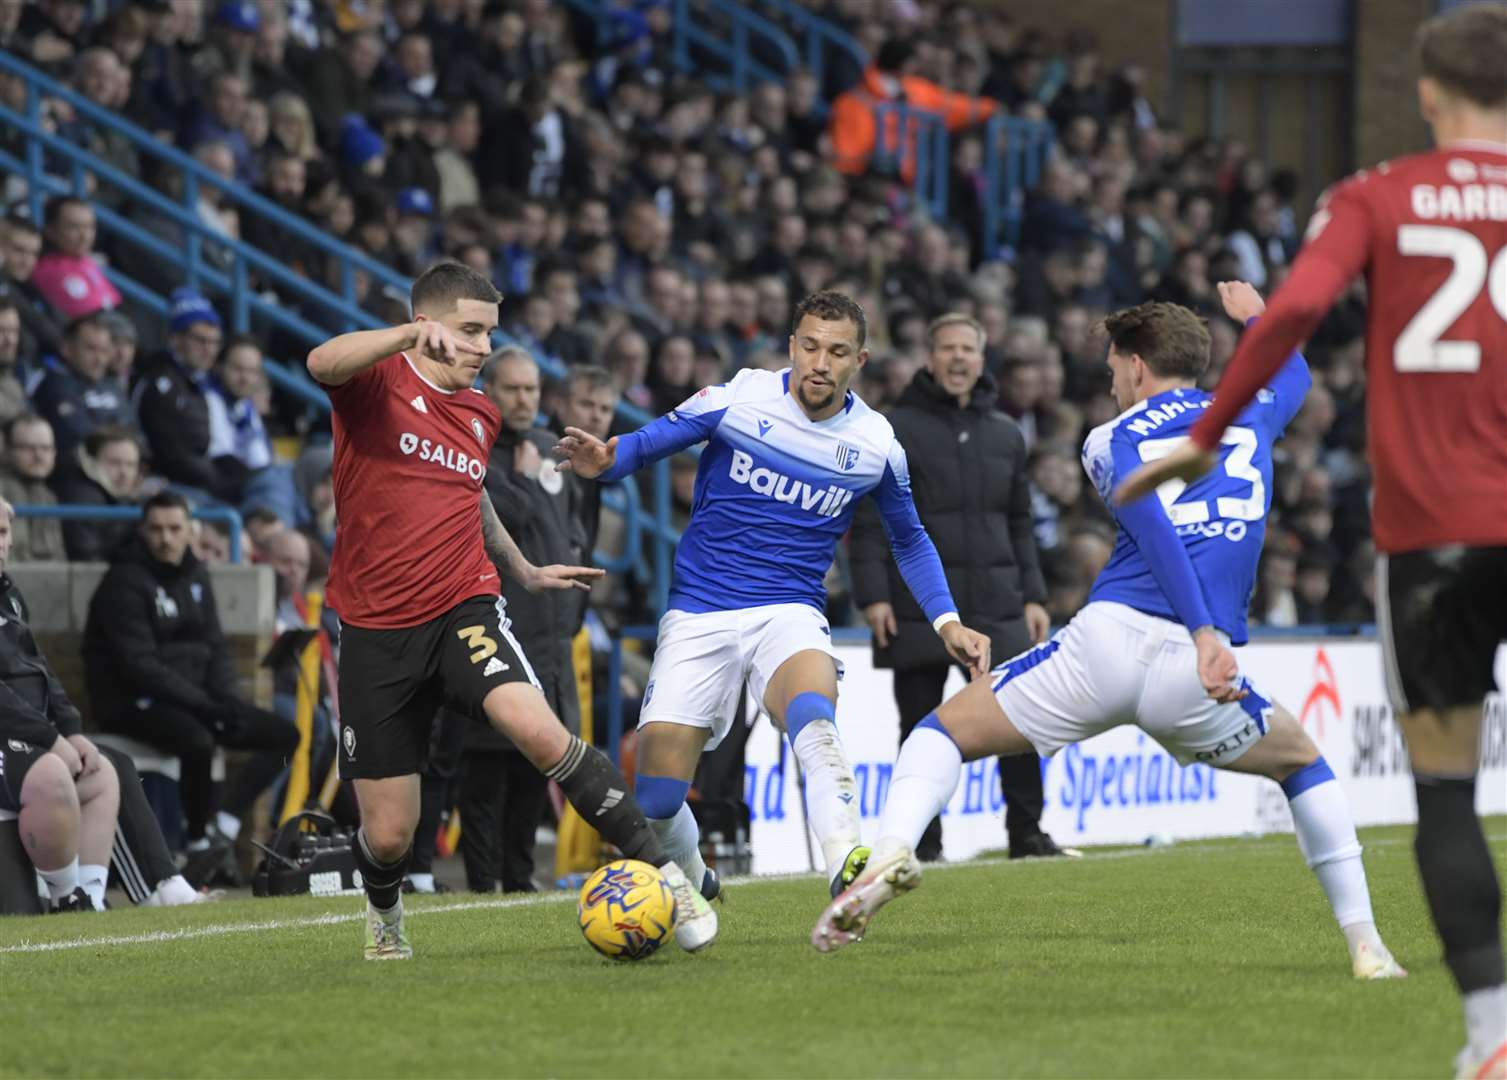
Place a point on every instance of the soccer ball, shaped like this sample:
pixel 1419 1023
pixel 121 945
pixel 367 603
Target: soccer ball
pixel 626 910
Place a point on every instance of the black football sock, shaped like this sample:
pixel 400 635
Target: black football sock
pixel 1459 881
pixel 596 788
pixel 383 881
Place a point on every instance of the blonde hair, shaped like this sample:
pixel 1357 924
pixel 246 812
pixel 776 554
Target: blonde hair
pixel 954 318
pixel 289 105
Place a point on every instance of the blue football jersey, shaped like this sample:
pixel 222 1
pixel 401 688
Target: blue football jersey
pixel 774 493
pixel 1190 554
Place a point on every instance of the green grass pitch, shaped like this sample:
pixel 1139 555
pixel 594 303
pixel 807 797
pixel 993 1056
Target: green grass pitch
pixel 1210 958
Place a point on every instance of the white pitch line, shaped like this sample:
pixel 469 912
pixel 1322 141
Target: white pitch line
pixel 332 918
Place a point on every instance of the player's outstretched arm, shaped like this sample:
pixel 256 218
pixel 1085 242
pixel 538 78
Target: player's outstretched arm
pixel 504 552
pixel 342 358
pixel 584 454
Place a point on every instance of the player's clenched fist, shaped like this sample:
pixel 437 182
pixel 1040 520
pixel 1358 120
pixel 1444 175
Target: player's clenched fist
pixel 968 647
pixel 584 454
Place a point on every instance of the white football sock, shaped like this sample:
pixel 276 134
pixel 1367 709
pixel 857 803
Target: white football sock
pixel 1326 836
pixel 228 824
pixel 926 774
pixel 92 879
pixel 831 793
pixel 1486 1020
pixel 681 840
pixel 60 882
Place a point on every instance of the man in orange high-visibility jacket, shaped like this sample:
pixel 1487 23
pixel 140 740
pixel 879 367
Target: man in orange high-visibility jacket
pixel 888 80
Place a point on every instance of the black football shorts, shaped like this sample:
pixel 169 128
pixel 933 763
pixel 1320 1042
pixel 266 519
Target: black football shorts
pixel 16 760
pixel 1442 615
pixel 393 683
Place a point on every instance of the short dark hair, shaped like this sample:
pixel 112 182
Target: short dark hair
pixel 165 500
pixel 84 322
pixel 238 341
pixel 21 224
pixel 445 284
pixel 53 212
pixel 595 378
pixel 834 306
pixel 1173 342
pixel 262 515
pixel 103 436
pixel 1462 51
pixel 8 303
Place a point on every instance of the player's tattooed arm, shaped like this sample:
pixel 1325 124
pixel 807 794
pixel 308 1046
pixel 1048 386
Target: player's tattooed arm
pixel 500 546
pixel 504 552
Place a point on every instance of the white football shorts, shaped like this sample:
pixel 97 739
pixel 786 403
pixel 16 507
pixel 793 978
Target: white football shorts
pixel 1114 665
pixel 703 659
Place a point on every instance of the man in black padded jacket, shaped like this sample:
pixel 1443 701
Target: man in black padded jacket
pixel 158 669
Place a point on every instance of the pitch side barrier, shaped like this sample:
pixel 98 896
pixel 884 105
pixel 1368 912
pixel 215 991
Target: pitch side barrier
pixel 1121 787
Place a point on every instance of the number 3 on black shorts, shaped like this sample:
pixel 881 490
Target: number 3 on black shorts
pixel 476 639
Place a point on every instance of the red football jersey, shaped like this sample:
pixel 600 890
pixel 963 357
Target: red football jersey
pixel 409 464
pixel 1430 233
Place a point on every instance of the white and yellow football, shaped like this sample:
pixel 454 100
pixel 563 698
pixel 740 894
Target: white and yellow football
pixel 626 910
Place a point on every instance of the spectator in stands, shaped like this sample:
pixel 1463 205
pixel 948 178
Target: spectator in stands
pixel 262 526
pixel 340 80
pixel 1258 243
pixel 455 159
pixel 30 460
pixel 316 493
pixel 81 394
pixel 41 334
pixel 12 394
pixel 68 275
pixel 158 669
pixel 100 77
pixel 219 118
pixel 297 562
pixel 590 401
pixel 291 127
pixel 65 791
pixel 239 447
pixel 123 341
pixel 892 78
pixel 108 474
pixel 172 397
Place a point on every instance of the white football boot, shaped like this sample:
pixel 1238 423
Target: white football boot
pixel 385 939
pixel 882 880
pixel 1375 962
pixel 1469 1067
pixel 695 921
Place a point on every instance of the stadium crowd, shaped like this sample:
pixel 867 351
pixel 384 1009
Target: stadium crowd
pixel 637 222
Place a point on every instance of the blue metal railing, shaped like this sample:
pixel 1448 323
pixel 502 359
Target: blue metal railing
pixel 84 512
pixel 727 32
pixel 818 35
pixel 1015 152
pixel 907 138
pixel 233 284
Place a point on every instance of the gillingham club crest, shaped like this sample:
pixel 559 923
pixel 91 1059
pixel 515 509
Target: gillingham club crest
pixel 847 456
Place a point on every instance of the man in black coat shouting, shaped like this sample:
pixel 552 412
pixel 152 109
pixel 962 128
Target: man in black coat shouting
pixel 968 476
pixel 158 669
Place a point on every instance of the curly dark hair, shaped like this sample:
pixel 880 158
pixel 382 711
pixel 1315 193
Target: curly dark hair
pixel 835 307
pixel 1173 342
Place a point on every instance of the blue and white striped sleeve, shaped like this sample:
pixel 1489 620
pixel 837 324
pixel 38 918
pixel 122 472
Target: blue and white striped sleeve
pixel 692 421
pixel 915 554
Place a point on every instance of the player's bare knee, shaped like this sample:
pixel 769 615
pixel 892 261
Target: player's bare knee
pixel 48 785
pixel 671 750
pixel 1442 742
